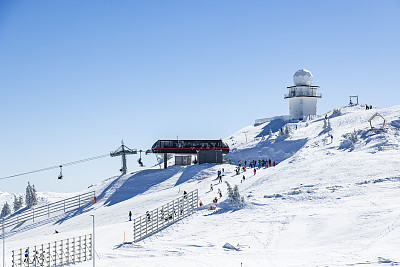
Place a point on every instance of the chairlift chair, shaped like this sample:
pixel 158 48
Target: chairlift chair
pixel 60 176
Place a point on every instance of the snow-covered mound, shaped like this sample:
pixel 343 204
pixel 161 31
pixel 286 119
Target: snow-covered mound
pixel 333 199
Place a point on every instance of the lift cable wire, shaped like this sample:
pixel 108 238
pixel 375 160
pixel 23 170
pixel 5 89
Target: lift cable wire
pixel 57 166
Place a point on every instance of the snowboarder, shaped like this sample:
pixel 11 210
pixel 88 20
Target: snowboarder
pixel 215 200
pixel 244 178
pixel 130 215
pixel 274 163
pixel 255 171
pixel 223 172
pixel 220 179
pixel 219 192
pixel 331 138
pixel 211 187
pixel 240 163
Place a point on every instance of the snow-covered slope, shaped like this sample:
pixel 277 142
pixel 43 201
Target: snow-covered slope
pixel 329 201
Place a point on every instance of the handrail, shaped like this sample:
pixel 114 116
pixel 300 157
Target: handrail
pixel 302 94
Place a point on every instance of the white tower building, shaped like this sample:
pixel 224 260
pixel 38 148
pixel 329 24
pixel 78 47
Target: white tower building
pixel 302 96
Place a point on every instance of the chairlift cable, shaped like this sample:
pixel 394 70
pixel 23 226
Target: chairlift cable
pixel 56 167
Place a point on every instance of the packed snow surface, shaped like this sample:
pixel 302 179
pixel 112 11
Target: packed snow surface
pixel 332 200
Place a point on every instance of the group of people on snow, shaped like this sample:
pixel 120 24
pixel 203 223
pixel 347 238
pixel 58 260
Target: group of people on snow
pixel 261 163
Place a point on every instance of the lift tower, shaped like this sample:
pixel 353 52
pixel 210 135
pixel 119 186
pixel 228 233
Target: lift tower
pixel 123 151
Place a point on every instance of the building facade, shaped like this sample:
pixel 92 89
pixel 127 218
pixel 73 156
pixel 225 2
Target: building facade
pixel 302 96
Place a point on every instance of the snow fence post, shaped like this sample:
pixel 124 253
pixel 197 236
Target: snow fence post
pixel 48 254
pixel 42 255
pixel 197 199
pixel 73 250
pixel 134 230
pixel 79 249
pixel 157 220
pixel 55 253
pixel 34 256
pixel 62 250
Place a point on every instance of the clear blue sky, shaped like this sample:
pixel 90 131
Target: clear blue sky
pixel 78 76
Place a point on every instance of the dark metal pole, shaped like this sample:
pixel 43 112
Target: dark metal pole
pixel 165 160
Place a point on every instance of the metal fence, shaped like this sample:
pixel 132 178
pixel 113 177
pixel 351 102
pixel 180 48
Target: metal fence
pixel 50 209
pixel 160 218
pixel 59 253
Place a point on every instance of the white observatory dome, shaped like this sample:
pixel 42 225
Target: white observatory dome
pixel 302 77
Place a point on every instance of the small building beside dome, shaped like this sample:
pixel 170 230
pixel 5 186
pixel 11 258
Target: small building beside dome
pixel 302 96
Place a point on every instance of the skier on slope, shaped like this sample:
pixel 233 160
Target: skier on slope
pixel 26 256
pixel 211 187
pixel 219 192
pixel 130 215
pixel 148 215
pixel 255 171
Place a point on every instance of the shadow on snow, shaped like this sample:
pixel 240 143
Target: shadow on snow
pixel 139 183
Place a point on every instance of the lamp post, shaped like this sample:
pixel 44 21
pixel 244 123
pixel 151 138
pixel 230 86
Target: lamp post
pixel 93 248
pixel 4 245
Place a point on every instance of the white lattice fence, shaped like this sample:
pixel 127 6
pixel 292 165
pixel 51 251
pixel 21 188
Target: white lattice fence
pixel 59 253
pixel 160 218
